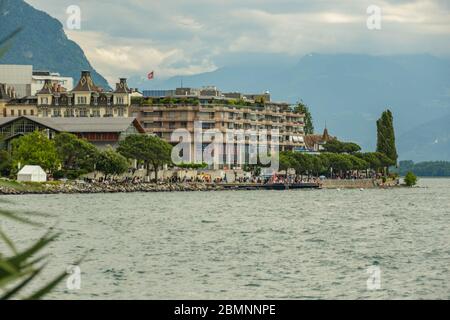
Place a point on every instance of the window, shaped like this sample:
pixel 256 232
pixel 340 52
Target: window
pixel 56 113
pixel 20 112
pixel 172 125
pixel 32 112
pixel 44 101
pixel 81 100
pixel 24 112
pixel 119 100
pixel 121 112
pixel 12 113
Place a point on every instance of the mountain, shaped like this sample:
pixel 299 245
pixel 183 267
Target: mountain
pixel 427 142
pixel 347 92
pixel 42 42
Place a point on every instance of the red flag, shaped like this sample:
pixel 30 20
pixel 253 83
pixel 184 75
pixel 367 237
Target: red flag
pixel 151 75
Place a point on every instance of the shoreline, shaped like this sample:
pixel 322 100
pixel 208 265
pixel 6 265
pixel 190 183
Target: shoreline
pixel 16 188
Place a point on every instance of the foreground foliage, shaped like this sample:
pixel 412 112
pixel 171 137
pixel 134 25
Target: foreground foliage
pixel 19 268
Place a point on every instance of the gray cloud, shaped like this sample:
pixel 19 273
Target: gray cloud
pixel 186 37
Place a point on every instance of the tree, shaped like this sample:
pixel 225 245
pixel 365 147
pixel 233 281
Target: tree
pixel 77 155
pixel 6 163
pixel 148 149
pixel 304 109
pixel 193 166
pixel 111 162
pixel 336 146
pixel 410 179
pixel 36 149
pixel 386 136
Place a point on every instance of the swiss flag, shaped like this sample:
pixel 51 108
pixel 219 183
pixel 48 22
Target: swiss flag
pixel 151 75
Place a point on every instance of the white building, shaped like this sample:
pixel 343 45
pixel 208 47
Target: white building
pixel 17 76
pixel 39 77
pixel 32 174
pixel 27 82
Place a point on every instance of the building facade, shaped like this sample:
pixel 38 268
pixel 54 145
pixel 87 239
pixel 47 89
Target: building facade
pixel 101 132
pixel 85 100
pixel 39 78
pixel 18 77
pixel 27 82
pixel 163 116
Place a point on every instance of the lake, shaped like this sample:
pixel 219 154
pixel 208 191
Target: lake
pixel 318 244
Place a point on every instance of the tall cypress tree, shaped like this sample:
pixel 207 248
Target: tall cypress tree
pixel 386 136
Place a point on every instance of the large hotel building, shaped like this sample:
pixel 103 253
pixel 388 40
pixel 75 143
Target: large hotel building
pixel 161 112
pixel 211 109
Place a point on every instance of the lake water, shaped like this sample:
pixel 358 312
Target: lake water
pixel 249 244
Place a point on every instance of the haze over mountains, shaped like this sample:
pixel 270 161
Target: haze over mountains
pixel 347 92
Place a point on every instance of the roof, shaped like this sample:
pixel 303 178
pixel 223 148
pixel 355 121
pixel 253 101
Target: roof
pixel 31 170
pixel 313 139
pixel 82 124
pixel 47 88
pixel 86 84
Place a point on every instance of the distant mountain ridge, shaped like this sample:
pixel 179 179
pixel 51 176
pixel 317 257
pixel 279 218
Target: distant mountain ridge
pixel 42 42
pixel 348 92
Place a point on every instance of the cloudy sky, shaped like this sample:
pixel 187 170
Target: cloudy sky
pixel 180 37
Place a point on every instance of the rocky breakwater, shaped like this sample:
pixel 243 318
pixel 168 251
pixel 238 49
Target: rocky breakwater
pixel 72 188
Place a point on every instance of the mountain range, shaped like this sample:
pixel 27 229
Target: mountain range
pixel 42 42
pixel 348 92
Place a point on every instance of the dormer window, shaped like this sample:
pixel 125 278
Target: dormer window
pixel 81 100
pixel 119 100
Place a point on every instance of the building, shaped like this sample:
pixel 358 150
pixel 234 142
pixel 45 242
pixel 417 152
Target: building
pixel 17 76
pixel 85 100
pixel 101 132
pixel 6 94
pixel 316 142
pixel 27 82
pixel 158 93
pixel 162 116
pixel 39 78
pixel 32 174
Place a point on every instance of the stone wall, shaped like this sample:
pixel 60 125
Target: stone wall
pixel 349 184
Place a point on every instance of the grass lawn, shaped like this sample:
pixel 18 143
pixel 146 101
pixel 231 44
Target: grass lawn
pixel 25 186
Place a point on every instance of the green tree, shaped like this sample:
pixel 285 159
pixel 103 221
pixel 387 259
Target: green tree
pixel 36 149
pixel 386 136
pixel 148 149
pixel 304 109
pixel 112 163
pixel 336 146
pixel 77 155
pixel 6 163
pixel 194 166
pixel 410 179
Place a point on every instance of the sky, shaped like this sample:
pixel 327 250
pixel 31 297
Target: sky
pixel 180 37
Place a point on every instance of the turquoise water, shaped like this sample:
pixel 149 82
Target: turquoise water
pixel 249 244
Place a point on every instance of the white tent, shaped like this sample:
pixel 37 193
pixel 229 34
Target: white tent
pixel 32 174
